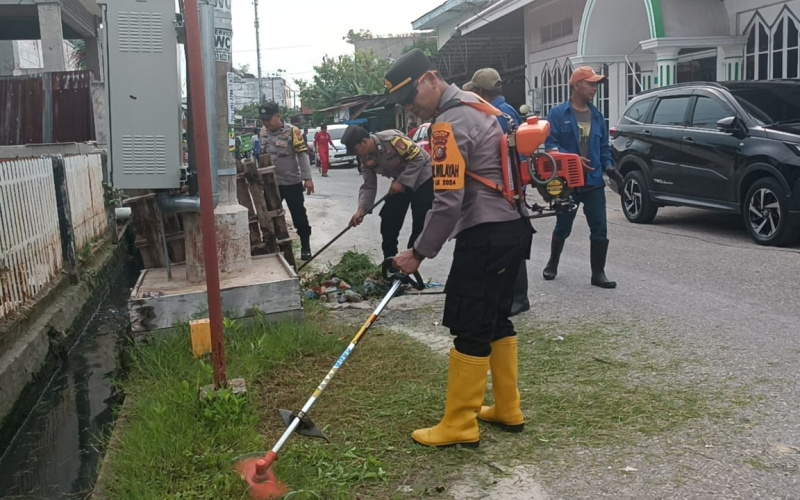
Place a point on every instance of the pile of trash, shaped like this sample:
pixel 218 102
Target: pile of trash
pixel 338 290
pixel 354 279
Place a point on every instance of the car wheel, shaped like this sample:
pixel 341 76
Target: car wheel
pixel 766 214
pixel 635 198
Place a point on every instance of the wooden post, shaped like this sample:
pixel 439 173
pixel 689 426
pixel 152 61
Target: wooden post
pixel 146 229
pixel 47 119
pixel 65 220
pixel 110 206
pixel 275 206
pixel 265 223
pixel 243 195
pixel 175 239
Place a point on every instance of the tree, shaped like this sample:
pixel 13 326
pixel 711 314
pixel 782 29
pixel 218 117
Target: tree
pixel 244 68
pixel 352 36
pixel 78 56
pixel 250 112
pixel 429 45
pixel 343 76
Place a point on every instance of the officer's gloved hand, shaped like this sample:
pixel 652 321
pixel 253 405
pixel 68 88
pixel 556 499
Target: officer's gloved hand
pixel 615 176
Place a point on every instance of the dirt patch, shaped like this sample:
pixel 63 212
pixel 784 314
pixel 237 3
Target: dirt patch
pixel 498 483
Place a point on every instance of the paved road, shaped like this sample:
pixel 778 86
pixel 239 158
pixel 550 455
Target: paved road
pixel 727 301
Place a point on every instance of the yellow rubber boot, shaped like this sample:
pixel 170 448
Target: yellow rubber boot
pixel 506 412
pixel 466 387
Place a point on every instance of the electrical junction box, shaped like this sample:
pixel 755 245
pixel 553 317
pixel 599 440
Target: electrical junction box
pixel 143 93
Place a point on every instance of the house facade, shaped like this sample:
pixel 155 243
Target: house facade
pixel 642 44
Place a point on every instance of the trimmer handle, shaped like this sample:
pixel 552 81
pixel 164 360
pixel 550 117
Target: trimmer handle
pixel 390 274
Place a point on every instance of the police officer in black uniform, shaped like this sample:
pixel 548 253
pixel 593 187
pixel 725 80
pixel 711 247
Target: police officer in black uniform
pixel 392 154
pixel 289 152
pixel 492 238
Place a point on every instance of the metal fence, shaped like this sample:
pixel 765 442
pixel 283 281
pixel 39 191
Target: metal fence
pixel 46 108
pixel 86 201
pixel 21 110
pixel 30 242
pixel 31 252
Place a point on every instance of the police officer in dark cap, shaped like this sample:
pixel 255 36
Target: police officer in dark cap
pixel 285 144
pixel 392 154
pixel 492 238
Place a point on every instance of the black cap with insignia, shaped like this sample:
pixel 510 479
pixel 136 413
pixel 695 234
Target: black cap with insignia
pixel 268 109
pixel 401 79
pixel 352 136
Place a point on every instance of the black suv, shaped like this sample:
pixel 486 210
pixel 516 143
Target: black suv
pixel 731 146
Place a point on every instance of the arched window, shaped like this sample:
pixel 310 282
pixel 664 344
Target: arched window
pixel 602 100
pixel 567 74
pixel 558 84
pixel 555 85
pixel 784 48
pixel 634 80
pixel 756 54
pixel 546 88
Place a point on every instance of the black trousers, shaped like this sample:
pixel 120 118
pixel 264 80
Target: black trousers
pixel 293 195
pixel 394 211
pixel 480 287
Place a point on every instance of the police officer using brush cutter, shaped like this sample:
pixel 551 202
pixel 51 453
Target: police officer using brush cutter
pixel 492 238
pixel 392 154
pixel 289 152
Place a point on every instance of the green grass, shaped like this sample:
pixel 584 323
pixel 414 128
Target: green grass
pixel 592 389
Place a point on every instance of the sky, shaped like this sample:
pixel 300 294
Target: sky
pixel 296 34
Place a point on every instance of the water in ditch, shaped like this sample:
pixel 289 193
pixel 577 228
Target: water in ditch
pixel 56 452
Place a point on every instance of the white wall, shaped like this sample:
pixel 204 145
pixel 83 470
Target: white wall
pixel 617 27
pixel 28 54
pixel 540 14
pixel 695 18
pixel 538 54
pixel 446 31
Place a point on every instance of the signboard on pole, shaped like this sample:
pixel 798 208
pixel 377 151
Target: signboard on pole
pixel 223 31
pixel 231 100
pixel 222 45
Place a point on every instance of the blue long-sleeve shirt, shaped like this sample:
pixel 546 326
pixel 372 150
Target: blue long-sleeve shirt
pixel 501 104
pixel 565 137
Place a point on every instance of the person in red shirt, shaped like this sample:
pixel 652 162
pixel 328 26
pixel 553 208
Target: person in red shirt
pixel 322 141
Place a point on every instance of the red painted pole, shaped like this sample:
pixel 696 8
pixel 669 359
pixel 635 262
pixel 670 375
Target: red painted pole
pixel 209 230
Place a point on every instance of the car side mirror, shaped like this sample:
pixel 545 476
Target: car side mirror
pixel 730 125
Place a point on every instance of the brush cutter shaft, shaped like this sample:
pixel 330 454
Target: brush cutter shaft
pixel 349 227
pixel 346 354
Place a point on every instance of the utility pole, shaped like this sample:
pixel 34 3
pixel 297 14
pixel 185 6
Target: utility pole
pixel 258 55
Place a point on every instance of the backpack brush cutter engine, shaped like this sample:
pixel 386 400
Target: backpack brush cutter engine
pixel 554 175
pixel 257 469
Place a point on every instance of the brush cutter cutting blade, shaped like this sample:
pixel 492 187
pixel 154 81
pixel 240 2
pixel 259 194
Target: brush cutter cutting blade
pixel 261 479
pixel 306 428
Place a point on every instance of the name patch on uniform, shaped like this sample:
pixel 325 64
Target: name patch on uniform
pixel 449 166
pixel 405 148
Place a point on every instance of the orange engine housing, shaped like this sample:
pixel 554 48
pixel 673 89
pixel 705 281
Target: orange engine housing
pixel 530 136
pixel 569 168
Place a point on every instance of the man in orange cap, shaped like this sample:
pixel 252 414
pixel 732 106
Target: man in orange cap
pixel 578 127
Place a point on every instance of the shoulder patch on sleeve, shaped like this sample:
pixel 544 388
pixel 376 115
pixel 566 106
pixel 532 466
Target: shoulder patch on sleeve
pixel 297 141
pixel 405 147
